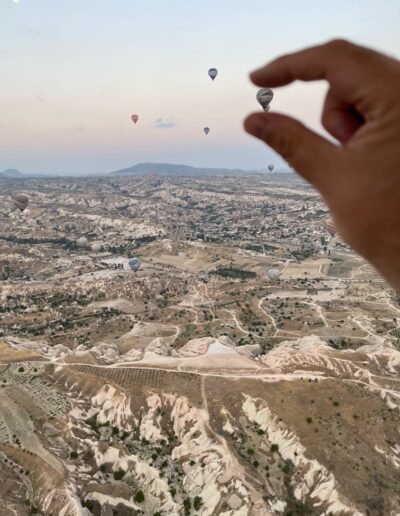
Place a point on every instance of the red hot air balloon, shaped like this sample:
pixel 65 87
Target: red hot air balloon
pixel 134 118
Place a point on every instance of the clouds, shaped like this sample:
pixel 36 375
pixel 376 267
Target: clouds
pixel 166 122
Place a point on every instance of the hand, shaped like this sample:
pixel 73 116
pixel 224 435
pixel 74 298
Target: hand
pixel 359 179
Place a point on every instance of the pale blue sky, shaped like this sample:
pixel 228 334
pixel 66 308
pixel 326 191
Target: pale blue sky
pixel 73 71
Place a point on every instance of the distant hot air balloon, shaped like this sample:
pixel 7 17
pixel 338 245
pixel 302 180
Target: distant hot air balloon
pixel 135 118
pixel 82 242
pixel 264 97
pixel 271 167
pixel 273 274
pixel 96 248
pixel 331 227
pixel 213 72
pixel 21 201
pixel 134 264
pixel 206 130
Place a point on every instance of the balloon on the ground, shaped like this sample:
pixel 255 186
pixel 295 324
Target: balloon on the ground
pixel 82 242
pixel 134 264
pixel 271 167
pixel 206 130
pixel 264 98
pixel 96 248
pixel 21 201
pixel 135 118
pixel 273 274
pixel 213 72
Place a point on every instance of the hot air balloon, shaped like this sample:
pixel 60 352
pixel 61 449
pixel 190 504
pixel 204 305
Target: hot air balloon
pixel 21 201
pixel 82 242
pixel 271 167
pixel 264 97
pixel 96 248
pixel 273 274
pixel 206 130
pixel 135 118
pixel 134 264
pixel 213 72
pixel 331 227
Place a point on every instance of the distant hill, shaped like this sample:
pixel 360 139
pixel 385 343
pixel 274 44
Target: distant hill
pixel 12 173
pixel 167 169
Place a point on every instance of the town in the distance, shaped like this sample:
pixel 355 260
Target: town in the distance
pixel 176 341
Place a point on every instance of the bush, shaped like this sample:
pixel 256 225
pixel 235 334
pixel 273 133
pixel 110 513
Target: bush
pixel 119 475
pixel 309 420
pixel 139 497
pixel 73 455
pixel 197 503
pixel 274 448
pixel 250 451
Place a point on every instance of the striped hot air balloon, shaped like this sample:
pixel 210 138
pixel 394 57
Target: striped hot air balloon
pixel 264 98
pixel 331 227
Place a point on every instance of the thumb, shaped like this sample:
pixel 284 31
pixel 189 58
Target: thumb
pixel 307 152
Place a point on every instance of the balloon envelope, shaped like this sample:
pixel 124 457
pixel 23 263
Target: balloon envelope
pixel 271 167
pixel 213 72
pixel 134 264
pixel 21 201
pixel 135 118
pixel 82 242
pixel 264 98
pixel 273 274
pixel 206 130
pixel 96 248
pixel 331 227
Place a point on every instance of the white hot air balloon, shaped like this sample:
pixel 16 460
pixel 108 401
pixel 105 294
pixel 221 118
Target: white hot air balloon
pixel 82 242
pixel 264 98
pixel 96 248
pixel 273 274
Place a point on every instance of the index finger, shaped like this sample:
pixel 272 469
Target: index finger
pixel 329 61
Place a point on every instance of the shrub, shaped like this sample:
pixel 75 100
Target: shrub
pixel 139 497
pixel 197 503
pixel 274 448
pixel 119 475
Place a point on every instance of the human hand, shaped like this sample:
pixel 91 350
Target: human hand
pixel 360 178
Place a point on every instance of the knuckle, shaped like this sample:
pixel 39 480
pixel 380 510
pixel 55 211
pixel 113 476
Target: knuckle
pixel 338 44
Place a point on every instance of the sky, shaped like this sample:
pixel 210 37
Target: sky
pixel 73 72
